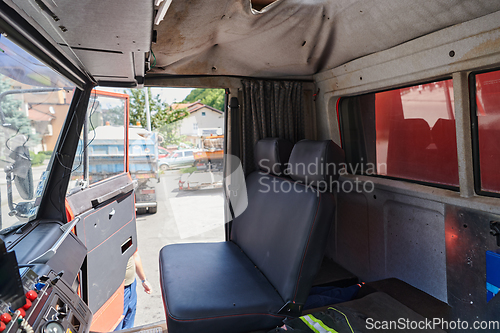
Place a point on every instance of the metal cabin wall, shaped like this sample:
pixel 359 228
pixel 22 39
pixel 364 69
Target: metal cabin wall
pixel 432 238
pixel 384 234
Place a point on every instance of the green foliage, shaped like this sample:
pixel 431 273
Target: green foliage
pixel 211 97
pixel 100 115
pixel 170 133
pixel 115 115
pixel 37 159
pixel 161 113
pixel 11 108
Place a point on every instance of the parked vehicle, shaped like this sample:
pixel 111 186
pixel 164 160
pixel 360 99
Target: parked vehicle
pixel 163 152
pixel 178 158
pixel 211 153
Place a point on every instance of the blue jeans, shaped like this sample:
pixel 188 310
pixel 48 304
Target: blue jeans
pixel 129 307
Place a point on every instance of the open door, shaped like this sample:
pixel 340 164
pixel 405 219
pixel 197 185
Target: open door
pixel 101 193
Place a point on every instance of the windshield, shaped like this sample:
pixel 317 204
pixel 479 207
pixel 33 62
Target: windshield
pixel 34 101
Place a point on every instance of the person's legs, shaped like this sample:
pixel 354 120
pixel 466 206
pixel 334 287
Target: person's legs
pixel 129 307
pixel 128 320
pixel 126 301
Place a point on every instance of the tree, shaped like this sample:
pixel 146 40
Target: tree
pixel 11 108
pixel 163 117
pixel 211 97
pixel 19 121
pixel 161 113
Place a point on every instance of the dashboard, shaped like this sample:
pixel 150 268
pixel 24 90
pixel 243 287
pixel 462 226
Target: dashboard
pixel 40 267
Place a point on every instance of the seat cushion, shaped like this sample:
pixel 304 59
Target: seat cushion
pixel 214 287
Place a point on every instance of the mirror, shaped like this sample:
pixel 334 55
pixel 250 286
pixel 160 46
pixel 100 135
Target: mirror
pixel 21 168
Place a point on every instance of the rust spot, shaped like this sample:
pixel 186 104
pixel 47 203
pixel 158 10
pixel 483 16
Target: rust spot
pixel 491 45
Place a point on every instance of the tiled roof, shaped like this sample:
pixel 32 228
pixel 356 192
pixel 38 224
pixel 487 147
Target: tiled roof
pixel 193 107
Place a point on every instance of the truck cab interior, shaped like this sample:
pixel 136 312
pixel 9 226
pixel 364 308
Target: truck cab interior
pixel 372 125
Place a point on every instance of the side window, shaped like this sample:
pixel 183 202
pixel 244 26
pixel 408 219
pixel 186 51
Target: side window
pixel 34 102
pixel 406 133
pixel 101 149
pixel 487 136
pixel 188 153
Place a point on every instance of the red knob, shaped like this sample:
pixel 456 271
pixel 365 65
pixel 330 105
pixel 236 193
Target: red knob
pixel 5 317
pixel 27 305
pixel 31 295
pixel 22 313
pixel 2 326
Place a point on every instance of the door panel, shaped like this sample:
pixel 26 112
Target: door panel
pixel 101 193
pixel 108 230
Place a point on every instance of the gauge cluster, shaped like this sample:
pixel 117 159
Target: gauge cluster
pixel 41 296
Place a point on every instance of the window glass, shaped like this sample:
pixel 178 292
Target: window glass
pixel 188 153
pixel 104 145
pixel 34 102
pixel 405 133
pixel 488 128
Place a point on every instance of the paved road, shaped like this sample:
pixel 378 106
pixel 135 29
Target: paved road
pixel 182 217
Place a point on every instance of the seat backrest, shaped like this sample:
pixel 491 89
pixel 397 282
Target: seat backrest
pixel 285 226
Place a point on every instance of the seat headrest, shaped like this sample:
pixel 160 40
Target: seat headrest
pixel 272 154
pixel 316 163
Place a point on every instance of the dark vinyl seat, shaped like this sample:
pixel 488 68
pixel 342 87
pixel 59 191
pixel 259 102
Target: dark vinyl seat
pixel 264 273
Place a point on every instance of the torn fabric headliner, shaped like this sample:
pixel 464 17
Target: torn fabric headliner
pixel 295 37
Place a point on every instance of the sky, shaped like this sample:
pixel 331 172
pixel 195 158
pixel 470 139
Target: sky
pixel 169 95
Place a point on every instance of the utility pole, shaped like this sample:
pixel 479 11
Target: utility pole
pixel 148 113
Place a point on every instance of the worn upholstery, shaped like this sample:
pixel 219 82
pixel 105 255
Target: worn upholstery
pixel 275 250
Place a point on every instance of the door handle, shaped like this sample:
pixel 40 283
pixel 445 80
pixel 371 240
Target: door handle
pixel 112 213
pixel 124 189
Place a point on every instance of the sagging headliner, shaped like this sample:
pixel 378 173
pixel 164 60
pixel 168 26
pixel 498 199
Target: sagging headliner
pixel 111 39
pixel 295 38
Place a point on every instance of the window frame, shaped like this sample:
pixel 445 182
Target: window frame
pixel 475 133
pixel 344 142
pixel 95 93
